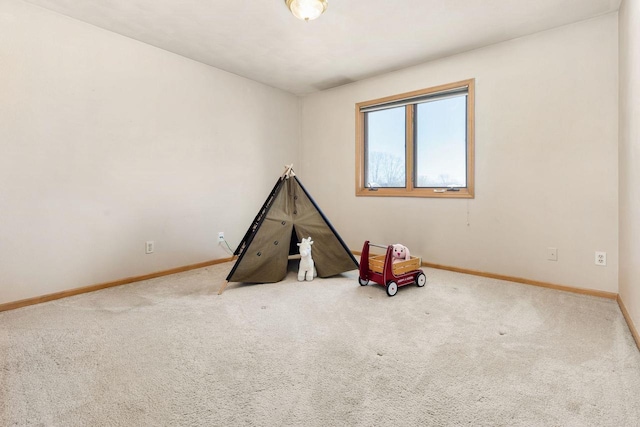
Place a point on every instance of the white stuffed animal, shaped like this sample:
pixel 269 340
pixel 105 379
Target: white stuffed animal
pixel 400 253
pixel 307 269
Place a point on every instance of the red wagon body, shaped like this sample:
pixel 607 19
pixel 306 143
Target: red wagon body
pixel 382 270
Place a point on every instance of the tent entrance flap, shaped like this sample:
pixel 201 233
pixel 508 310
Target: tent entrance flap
pixel 288 215
pixel 293 244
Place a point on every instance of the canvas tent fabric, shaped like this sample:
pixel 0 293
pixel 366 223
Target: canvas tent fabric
pixel 288 215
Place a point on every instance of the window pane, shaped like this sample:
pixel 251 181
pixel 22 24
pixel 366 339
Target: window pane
pixel 385 148
pixel 441 143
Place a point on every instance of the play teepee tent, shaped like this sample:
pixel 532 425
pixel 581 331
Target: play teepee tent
pixel 288 215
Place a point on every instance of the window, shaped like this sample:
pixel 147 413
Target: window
pixel 417 144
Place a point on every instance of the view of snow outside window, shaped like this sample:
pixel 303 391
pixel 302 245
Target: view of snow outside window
pixel 440 146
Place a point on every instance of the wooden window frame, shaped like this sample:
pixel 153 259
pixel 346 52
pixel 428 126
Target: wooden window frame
pixel 409 190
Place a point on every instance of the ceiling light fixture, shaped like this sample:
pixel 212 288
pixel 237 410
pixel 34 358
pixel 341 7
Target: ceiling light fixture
pixel 306 10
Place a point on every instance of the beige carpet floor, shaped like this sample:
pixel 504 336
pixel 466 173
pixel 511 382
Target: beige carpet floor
pixel 463 350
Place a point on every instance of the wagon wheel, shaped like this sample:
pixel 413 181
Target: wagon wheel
pixel 363 282
pixel 421 279
pixel 392 288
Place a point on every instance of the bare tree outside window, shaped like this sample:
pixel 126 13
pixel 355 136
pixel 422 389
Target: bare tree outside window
pixel 385 170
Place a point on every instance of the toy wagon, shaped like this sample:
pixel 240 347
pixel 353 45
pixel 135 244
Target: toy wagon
pixel 382 270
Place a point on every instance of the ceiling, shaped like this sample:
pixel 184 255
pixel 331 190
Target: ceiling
pixel 353 40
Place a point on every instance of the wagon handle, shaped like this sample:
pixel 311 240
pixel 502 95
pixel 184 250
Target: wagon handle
pixel 379 246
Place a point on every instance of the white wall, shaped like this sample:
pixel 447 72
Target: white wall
pixel 629 16
pixel 106 142
pixel 546 160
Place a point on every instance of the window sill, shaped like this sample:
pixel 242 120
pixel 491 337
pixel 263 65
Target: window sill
pixel 462 193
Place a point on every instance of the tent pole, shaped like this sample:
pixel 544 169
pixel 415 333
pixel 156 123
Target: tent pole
pixel 223 287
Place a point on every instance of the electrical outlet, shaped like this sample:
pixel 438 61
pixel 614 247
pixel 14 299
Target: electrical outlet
pixel 149 247
pixel 601 258
pixel 220 236
pixel 552 254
